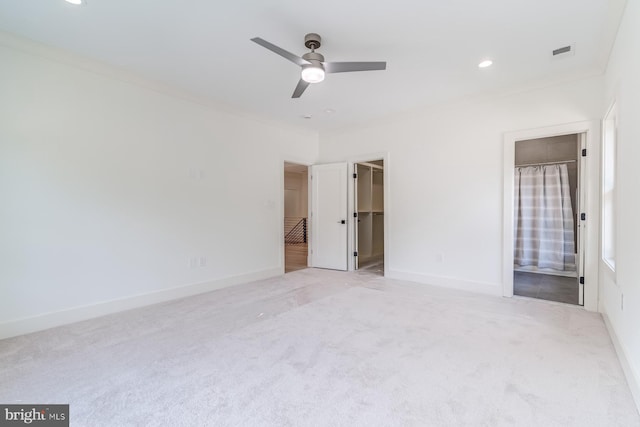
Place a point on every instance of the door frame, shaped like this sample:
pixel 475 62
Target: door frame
pixel 590 193
pixel 386 187
pixel 351 161
pixel 284 160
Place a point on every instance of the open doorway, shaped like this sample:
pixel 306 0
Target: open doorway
pixel 547 204
pixel 296 217
pixel 369 214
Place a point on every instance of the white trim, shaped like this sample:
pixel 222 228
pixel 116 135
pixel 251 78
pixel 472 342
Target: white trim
pixel 446 282
pixel 591 194
pixel 385 157
pixel 633 377
pixel 612 110
pixel 44 321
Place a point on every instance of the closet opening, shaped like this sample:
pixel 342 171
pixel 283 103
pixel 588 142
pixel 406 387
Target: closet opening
pixel 296 219
pixel 548 247
pixel 369 215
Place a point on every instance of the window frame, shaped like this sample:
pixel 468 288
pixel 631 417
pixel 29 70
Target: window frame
pixel 608 187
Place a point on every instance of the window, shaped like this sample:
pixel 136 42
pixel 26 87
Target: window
pixel 610 127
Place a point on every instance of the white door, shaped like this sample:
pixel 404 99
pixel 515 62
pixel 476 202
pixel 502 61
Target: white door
pixel 329 216
pixel 580 208
pixel 356 221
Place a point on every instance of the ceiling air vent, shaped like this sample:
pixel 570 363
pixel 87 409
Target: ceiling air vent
pixel 564 51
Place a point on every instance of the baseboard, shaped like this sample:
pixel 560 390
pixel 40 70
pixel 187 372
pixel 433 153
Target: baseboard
pixel 446 282
pixel 41 322
pixel 632 376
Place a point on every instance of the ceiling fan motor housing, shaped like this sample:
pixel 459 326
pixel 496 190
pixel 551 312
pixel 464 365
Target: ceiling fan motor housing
pixel 312 41
pixel 313 57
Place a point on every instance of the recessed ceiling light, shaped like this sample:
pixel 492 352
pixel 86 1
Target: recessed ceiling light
pixel 486 63
pixel 307 116
pixel 329 110
pixel 76 2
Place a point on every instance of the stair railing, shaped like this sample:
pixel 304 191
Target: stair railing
pixel 296 233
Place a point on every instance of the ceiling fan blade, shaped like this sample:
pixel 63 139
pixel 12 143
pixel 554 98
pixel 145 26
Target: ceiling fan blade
pixel 302 85
pixel 285 54
pixel 345 67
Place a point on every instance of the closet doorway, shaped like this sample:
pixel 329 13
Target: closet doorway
pixel 296 217
pixel 548 256
pixel 369 216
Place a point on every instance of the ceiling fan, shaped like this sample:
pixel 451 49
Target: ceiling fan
pixel 313 64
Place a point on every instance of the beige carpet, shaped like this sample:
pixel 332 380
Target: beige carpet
pixel 327 348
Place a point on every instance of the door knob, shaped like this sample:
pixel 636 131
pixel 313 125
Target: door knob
pixel 342 222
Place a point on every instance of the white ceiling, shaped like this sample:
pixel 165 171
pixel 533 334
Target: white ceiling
pixel 432 48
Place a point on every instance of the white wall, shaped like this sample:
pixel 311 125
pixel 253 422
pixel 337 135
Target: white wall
pixel 444 202
pixel 622 84
pixel 110 190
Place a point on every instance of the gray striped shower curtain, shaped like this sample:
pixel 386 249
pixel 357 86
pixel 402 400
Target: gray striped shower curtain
pixel 543 218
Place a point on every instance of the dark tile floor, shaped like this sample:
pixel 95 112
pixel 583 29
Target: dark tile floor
pixel 546 286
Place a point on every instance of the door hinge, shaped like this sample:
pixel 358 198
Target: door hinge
pixel 583 216
pixel 582 280
pixel 355 254
pixel 584 152
pixel 355 175
pixel 355 214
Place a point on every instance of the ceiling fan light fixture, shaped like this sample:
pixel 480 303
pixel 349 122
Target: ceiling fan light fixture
pixel 313 64
pixel 312 73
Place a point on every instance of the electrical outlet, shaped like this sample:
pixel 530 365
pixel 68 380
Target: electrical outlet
pixel 193 262
pixel 203 261
pixel 439 258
